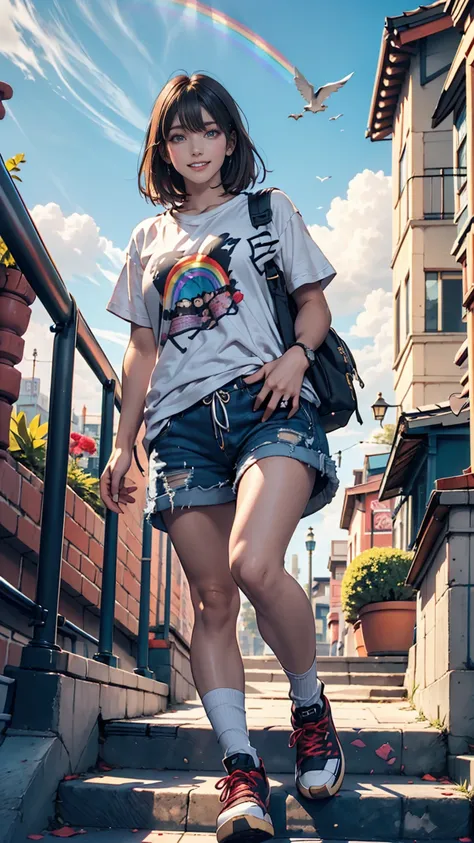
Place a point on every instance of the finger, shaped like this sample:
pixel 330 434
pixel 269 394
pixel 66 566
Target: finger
pixel 295 407
pixel 262 396
pixel 115 485
pixel 271 407
pixel 126 499
pixel 255 376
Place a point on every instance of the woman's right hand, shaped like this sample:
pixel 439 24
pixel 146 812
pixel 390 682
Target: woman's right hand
pixel 115 489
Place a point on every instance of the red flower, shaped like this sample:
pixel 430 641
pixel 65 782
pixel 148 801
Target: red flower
pixel 87 444
pixel 75 436
pixel 80 444
pixel 238 296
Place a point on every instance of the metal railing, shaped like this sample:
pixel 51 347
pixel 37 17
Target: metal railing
pixel 438 202
pixel 71 331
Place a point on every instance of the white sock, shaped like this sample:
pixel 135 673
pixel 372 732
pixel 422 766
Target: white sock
pixel 225 708
pixel 305 687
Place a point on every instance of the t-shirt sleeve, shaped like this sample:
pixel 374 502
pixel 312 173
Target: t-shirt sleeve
pixel 127 298
pixel 299 256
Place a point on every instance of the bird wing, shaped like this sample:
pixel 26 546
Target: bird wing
pixel 304 87
pixel 326 90
pixel 295 116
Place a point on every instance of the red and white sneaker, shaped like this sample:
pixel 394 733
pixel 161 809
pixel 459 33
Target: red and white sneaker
pixel 246 797
pixel 320 766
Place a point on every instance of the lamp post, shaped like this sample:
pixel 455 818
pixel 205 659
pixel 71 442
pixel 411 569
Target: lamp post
pixel 310 546
pixel 379 408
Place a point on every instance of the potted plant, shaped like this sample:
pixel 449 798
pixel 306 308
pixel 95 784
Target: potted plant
pixel 374 593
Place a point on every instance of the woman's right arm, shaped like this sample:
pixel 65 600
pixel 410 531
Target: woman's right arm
pixel 138 363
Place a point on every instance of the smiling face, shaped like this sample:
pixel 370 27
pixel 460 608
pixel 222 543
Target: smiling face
pixel 198 156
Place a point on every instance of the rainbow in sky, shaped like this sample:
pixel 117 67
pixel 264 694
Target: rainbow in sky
pixel 238 32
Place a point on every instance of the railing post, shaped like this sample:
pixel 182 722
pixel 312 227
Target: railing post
pixel 144 620
pixel 166 622
pixel 109 566
pixel 43 652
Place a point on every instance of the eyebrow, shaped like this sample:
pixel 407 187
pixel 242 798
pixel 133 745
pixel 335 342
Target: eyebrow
pixel 179 126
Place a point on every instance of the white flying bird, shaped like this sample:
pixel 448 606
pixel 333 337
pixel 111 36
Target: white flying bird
pixel 337 116
pixel 323 178
pixel 295 116
pixel 315 99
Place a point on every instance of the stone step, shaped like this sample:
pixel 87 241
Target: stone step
pixel 153 744
pixel 144 835
pixel 394 680
pixel 338 664
pixel 336 693
pixel 187 801
pixel 461 768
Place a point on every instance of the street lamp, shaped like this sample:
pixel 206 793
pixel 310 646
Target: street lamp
pixel 379 408
pixel 310 546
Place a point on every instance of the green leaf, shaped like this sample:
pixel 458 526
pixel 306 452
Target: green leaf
pixel 22 427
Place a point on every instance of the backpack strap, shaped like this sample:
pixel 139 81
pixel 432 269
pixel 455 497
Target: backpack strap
pixel 260 211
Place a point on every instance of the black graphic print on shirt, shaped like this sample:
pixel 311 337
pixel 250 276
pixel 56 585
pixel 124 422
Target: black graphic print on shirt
pixel 196 290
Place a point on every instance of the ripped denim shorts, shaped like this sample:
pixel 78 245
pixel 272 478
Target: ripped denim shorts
pixel 201 454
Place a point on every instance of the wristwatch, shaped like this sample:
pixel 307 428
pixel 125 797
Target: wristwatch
pixel 309 353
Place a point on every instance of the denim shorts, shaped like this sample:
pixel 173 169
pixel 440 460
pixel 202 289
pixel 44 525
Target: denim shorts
pixel 200 455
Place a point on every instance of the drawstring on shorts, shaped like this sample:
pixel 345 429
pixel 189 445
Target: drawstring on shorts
pixel 217 400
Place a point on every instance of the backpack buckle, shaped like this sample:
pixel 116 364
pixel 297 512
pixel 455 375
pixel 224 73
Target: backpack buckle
pixel 262 217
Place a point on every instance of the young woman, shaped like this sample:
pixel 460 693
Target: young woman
pixel 237 453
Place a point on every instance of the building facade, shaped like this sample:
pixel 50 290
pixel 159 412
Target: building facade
pixel 367 519
pixel 337 564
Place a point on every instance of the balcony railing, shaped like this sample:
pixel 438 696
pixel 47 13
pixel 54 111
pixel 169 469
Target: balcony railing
pixel 71 332
pixel 439 188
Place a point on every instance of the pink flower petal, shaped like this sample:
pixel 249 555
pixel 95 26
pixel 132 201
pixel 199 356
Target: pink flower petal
pixel 70 778
pixel 464 840
pixel 358 743
pixel 371 772
pixel 402 768
pixel 429 778
pixel 384 751
pixel 35 837
pixel 65 831
pixel 392 760
pixel 446 793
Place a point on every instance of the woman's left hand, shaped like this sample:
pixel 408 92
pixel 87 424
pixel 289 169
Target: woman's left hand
pixel 284 379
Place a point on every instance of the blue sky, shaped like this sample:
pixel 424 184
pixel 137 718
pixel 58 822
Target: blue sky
pixel 85 75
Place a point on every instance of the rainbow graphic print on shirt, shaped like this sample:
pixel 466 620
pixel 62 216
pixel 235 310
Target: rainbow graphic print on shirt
pixel 197 293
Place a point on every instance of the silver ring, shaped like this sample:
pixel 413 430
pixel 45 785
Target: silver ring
pixel 284 402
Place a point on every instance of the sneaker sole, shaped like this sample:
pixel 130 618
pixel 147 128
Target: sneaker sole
pixel 245 828
pixel 326 791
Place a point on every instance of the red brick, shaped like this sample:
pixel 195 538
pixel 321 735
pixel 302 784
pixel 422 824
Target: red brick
pixel 99 529
pixel 90 520
pixel 29 535
pixel 133 625
pixel 74 557
pixel 88 568
pixel 134 545
pixel 121 615
pixel 122 529
pixel 122 552
pixel 76 535
pixel 69 501
pixel 29 573
pixel 133 606
pixel 31 500
pixel 14 653
pixel 121 595
pixel 131 585
pixel 90 592
pixel 71 609
pixel 134 565
pixel 120 572
pixel 80 512
pixel 3 653
pixel 8 519
pixel 71 578
pixel 9 482
pixel 10 564
pixel 98 578
pixel 96 552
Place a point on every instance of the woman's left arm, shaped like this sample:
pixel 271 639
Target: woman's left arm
pixel 284 376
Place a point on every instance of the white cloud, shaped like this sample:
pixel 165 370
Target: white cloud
pixel 75 243
pixel 377 314
pixel 112 336
pixel 357 240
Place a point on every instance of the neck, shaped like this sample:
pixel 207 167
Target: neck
pixel 202 197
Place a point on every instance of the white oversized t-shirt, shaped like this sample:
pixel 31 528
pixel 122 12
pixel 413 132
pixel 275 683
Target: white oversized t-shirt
pixel 198 281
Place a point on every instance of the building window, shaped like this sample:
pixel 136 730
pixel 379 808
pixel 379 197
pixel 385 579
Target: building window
pixel 407 305
pixel 461 167
pixel 443 302
pixel 396 327
pixel 402 171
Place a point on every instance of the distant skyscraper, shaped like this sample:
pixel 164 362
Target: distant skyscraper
pixel 295 571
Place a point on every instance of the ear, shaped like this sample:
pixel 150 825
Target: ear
pixel 231 143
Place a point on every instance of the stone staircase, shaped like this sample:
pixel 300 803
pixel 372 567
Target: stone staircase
pixel 157 775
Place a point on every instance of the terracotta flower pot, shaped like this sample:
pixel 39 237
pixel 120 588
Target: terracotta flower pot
pixel 388 627
pixel 359 639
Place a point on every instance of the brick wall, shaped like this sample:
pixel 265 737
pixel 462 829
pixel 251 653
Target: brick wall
pixel 21 494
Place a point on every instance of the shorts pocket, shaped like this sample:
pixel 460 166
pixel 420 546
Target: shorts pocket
pixel 166 430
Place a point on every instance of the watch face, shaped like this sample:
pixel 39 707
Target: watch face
pixel 310 355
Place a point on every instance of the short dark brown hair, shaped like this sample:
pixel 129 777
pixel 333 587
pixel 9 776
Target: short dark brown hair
pixel 184 96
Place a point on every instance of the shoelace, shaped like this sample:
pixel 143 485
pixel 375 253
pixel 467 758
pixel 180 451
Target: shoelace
pixel 312 738
pixel 218 400
pixel 238 784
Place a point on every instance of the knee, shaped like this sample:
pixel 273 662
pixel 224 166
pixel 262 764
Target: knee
pixel 252 574
pixel 215 606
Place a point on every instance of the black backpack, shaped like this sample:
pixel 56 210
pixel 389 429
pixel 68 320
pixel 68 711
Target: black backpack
pixel 334 370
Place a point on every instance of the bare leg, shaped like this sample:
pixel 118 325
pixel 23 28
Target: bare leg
pixel 200 536
pixel 272 495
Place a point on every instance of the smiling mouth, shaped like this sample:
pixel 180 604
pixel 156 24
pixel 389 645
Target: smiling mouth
pixel 199 166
